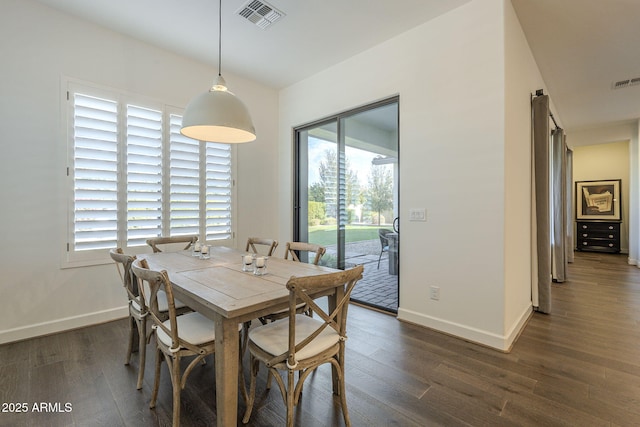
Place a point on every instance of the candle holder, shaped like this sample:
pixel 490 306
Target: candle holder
pixel 196 249
pixel 260 266
pixel 247 262
pixel 204 252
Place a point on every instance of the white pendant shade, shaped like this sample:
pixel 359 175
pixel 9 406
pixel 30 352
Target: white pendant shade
pixel 218 116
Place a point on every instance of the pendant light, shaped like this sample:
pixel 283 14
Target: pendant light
pixel 218 115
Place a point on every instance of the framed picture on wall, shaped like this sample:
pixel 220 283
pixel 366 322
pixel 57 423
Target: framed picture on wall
pixel 598 200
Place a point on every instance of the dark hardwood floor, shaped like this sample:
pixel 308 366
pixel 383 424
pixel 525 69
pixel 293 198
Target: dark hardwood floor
pixel 578 366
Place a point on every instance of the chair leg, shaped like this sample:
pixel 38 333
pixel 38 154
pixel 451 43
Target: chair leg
pixel 290 394
pixel 343 402
pixel 300 385
pixel 343 392
pixel 244 338
pixel 379 258
pixel 254 366
pixel 269 379
pixel 156 383
pixel 142 350
pixel 243 386
pixel 150 334
pixel 130 346
pixel 177 388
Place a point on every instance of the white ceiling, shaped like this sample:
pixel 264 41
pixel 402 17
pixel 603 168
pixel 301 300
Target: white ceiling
pixel 581 46
pixel 313 34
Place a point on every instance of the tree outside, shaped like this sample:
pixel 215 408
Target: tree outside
pixel 365 202
pixel 380 190
pixel 316 192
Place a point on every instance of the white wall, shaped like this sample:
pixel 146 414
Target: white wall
pixel 523 78
pixel 41 46
pixel 450 75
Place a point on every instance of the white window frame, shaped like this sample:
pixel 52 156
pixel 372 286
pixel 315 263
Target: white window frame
pixel 78 258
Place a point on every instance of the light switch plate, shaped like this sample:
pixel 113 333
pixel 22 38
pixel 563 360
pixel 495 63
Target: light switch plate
pixel 417 214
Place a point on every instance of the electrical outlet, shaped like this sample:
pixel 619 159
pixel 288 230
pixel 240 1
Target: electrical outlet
pixel 417 214
pixel 434 292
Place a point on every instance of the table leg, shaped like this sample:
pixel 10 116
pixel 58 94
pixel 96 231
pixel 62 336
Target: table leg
pixel 226 355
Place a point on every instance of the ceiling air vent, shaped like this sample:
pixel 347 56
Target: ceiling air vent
pixel 626 83
pixel 260 13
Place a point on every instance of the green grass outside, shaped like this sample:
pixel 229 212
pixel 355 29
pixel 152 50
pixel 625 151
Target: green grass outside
pixel 326 234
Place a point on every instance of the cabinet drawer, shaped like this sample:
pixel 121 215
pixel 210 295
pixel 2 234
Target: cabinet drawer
pixel 598 226
pixel 605 243
pixel 598 234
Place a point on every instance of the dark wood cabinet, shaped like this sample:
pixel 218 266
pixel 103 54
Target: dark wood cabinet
pixel 598 236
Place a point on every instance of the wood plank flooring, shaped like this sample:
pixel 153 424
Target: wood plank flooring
pixel 578 366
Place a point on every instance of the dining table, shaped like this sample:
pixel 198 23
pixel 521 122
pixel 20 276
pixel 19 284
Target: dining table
pixel 219 289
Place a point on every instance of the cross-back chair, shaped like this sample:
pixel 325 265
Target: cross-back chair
pixel 179 336
pixel 252 242
pixel 293 249
pixel 301 343
pixel 137 310
pixel 168 241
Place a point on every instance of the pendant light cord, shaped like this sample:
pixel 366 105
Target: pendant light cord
pixel 220 38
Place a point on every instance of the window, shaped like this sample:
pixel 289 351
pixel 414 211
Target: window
pixel 133 175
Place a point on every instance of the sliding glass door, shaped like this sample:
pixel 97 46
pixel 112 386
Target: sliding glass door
pixel 317 188
pixel 347 195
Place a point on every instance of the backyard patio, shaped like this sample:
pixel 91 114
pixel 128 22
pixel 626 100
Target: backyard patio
pixel 377 288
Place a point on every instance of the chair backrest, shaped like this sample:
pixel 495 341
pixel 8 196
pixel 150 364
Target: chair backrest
pixel 382 234
pixel 123 264
pixel 158 281
pixel 300 289
pixel 294 247
pixel 188 239
pixel 253 241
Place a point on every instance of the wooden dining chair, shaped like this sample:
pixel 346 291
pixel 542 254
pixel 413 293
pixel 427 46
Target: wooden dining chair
pixel 294 248
pixel 166 242
pixel 252 242
pixel 301 343
pixel 137 310
pixel 180 336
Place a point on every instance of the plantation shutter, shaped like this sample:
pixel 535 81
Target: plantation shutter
pixel 132 176
pixel 184 188
pixel 95 173
pixel 219 180
pixel 144 175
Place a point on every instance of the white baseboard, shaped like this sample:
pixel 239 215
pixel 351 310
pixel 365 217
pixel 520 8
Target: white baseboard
pixel 61 325
pixel 468 333
pixel 518 327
